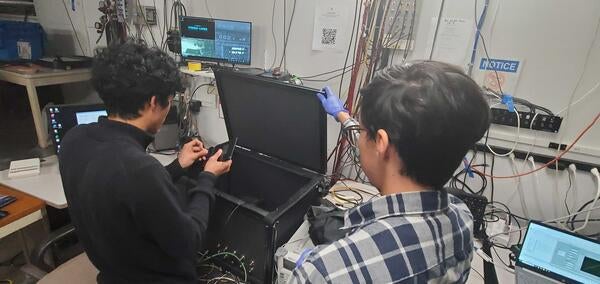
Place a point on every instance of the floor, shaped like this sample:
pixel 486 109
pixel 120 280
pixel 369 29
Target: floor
pixel 11 271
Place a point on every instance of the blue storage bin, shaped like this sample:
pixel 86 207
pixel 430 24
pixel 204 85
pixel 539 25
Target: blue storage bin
pixel 12 32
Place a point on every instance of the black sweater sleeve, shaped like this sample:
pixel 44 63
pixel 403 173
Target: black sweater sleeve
pixel 175 170
pixel 179 231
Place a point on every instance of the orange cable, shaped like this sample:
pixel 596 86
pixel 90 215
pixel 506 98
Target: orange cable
pixel 585 130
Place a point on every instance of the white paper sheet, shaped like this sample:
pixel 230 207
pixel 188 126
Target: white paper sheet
pixel 454 37
pixel 330 31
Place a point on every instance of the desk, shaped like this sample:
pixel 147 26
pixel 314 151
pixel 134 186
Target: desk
pixel 25 211
pixel 48 186
pixel 44 77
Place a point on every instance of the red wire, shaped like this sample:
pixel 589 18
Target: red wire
pixel 349 100
pixel 585 130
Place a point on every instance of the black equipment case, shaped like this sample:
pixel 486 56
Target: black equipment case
pixel 277 172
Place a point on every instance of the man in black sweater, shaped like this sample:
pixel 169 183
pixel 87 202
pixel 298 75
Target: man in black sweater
pixel 134 223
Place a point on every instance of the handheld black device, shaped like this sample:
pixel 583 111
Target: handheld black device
pixel 227 147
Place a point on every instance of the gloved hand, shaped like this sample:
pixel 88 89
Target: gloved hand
pixel 331 102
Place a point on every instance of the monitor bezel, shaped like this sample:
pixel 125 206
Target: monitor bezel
pixel 213 59
pixel 551 274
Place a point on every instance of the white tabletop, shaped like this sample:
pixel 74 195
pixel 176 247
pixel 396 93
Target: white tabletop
pixel 48 185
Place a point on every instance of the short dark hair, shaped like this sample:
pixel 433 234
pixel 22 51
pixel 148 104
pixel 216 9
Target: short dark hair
pixel 127 75
pixel 433 114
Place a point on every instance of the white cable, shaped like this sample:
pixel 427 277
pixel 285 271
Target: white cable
pixel 571 170
pixel 580 99
pixel 594 172
pixel 536 186
pixel 570 103
pixel 520 190
pixel 573 191
pixel 566 118
pixel 516 138
pixel 547 221
pixel 557 204
pixel 532 145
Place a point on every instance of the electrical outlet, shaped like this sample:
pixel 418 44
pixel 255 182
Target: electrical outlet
pixel 553 145
pixel 150 14
pixel 543 122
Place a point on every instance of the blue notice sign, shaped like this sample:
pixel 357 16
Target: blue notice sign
pixel 499 65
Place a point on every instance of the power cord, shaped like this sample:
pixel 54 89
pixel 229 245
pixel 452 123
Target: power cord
pixel 595 173
pixel 519 186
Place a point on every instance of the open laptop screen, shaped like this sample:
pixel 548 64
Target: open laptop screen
pixel 560 254
pixel 61 118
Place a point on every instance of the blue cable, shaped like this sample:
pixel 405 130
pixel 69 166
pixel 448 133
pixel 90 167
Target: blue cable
pixel 477 33
pixel 302 257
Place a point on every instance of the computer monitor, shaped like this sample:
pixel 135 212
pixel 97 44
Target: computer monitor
pixel 61 118
pixel 557 256
pixel 216 40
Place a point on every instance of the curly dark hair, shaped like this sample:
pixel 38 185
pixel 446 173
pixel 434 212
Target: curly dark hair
pixel 433 114
pixel 128 75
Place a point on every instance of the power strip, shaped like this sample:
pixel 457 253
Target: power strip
pixel 543 122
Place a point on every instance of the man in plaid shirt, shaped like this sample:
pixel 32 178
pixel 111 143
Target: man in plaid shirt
pixel 417 123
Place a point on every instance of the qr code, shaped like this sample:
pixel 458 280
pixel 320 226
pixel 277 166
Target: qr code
pixel 328 37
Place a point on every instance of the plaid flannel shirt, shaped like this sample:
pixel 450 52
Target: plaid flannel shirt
pixel 414 237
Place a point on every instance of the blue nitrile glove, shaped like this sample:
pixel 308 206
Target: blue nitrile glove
pixel 330 101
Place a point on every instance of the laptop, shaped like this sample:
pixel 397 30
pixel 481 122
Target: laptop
pixel 551 255
pixel 61 118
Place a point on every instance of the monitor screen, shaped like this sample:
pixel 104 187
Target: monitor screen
pixel 62 118
pixel 86 117
pixel 561 254
pixel 216 40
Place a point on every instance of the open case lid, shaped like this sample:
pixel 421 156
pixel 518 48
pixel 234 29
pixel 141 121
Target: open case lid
pixel 274 118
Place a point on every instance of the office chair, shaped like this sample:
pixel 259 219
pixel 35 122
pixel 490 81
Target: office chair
pixel 78 269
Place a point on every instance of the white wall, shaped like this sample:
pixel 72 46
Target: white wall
pixel 52 16
pixel 552 36
pixel 513 29
pixel 301 59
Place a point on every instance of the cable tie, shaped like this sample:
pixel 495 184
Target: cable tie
pixel 468 168
pixel 509 102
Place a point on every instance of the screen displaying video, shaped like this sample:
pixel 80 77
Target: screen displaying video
pixel 216 40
